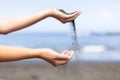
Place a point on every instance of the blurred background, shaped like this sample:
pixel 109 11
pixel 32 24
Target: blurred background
pixel 98 31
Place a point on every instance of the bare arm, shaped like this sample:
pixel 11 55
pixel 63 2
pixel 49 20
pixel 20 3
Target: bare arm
pixel 13 54
pixel 14 24
pixel 8 54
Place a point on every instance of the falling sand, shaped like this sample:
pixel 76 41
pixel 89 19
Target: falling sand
pixel 65 70
pixel 75 44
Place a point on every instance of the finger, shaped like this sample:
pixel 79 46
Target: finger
pixel 64 52
pixel 66 55
pixel 70 54
pixel 61 62
pixel 72 18
pixel 67 59
pixel 62 57
pixel 77 13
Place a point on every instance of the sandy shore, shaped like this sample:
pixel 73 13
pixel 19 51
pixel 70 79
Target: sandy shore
pixel 72 71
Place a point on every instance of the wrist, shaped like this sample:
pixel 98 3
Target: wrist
pixel 51 12
pixel 48 12
pixel 38 53
pixel 33 53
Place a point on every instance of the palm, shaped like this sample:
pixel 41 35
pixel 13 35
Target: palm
pixel 55 58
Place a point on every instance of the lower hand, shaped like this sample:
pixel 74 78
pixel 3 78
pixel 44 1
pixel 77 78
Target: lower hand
pixel 55 58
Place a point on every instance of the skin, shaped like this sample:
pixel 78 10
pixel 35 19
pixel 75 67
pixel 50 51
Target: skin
pixel 8 53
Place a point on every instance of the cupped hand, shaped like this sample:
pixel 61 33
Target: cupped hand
pixel 64 17
pixel 56 58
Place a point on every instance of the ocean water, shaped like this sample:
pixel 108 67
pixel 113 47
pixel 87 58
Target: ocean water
pixel 37 40
pixel 62 41
pixel 57 40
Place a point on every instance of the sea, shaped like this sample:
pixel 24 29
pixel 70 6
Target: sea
pixel 63 41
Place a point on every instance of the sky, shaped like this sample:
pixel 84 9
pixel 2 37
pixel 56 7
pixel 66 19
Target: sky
pixel 96 15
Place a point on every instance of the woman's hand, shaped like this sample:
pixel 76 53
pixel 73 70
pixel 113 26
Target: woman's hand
pixel 14 24
pixel 62 16
pixel 8 54
pixel 55 58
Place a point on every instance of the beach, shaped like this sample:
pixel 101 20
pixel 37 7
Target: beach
pixel 103 64
pixel 93 33
pixel 79 71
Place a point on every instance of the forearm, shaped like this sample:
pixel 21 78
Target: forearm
pixel 8 54
pixel 12 53
pixel 10 25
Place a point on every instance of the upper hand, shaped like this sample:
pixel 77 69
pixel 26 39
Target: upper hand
pixel 64 17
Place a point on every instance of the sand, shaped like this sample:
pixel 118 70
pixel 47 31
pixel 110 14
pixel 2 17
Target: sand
pixel 73 71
